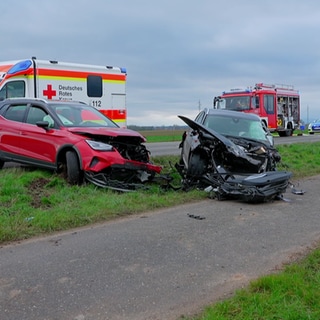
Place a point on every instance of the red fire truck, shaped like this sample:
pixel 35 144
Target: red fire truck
pixel 277 105
pixel 103 87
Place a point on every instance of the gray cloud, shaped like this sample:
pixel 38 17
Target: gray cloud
pixel 177 53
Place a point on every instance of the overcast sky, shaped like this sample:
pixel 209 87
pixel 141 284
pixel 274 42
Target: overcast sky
pixel 178 54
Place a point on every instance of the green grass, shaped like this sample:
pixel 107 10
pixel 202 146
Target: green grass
pixel 167 135
pixel 303 159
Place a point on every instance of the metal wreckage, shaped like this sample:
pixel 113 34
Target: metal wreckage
pixel 231 168
pixel 227 168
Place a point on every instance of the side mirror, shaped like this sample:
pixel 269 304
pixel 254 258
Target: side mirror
pixel 43 124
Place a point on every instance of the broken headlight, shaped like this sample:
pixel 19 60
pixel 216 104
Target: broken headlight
pixel 99 146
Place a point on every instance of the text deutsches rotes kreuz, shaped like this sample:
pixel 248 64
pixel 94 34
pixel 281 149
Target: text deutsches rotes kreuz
pixel 67 91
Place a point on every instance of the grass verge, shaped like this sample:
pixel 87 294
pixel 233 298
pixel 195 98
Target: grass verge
pixel 35 202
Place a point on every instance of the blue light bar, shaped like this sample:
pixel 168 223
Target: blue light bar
pixel 20 66
pixel 123 70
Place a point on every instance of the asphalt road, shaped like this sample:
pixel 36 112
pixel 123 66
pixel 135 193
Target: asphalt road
pixel 156 265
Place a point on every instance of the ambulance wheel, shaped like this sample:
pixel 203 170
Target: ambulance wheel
pixel 74 175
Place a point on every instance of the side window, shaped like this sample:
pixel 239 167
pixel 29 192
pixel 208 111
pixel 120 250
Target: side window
pixel 13 89
pixel 35 114
pixel 257 104
pixel 94 86
pixel 200 117
pixel 254 102
pixel 15 112
pixel 268 103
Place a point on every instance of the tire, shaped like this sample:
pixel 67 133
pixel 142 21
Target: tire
pixel 285 133
pixel 1 164
pixel 289 132
pixel 74 175
pixel 196 165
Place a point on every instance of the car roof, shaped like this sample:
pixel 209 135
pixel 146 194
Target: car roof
pixel 232 113
pixel 29 100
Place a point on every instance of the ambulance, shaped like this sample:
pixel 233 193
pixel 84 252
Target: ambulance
pixel 103 87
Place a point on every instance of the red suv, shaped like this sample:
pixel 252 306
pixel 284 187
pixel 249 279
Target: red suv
pixel 75 139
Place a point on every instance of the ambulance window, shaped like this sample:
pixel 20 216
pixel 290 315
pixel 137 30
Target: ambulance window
pixel 94 86
pixel 3 93
pixel 13 89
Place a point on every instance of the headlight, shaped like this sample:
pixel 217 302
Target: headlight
pixel 99 146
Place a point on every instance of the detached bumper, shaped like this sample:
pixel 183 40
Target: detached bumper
pixel 256 187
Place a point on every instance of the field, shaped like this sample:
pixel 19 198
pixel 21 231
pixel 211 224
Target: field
pixel 162 135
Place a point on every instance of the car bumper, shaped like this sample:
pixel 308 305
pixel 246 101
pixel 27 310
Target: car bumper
pixel 101 161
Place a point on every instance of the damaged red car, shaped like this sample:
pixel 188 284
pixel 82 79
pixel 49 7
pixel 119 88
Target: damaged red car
pixel 74 139
pixel 231 154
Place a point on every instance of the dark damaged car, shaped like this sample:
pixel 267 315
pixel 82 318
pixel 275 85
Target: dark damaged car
pixel 73 139
pixel 232 155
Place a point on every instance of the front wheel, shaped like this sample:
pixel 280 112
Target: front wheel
pixel 74 175
pixel 196 166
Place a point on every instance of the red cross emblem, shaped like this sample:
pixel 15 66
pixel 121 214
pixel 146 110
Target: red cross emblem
pixel 49 92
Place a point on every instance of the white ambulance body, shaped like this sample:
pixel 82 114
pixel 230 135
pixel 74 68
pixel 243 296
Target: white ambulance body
pixel 103 87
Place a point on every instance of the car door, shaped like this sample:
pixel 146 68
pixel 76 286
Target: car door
pixel 10 125
pixel 37 144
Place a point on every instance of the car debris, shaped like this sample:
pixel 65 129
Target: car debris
pixel 294 190
pixel 197 217
pixel 230 166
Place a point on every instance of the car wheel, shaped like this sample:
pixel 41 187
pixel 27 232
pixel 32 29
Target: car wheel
pixel 73 168
pixel 196 166
pixel 1 164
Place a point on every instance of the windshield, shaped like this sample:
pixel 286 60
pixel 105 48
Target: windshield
pixel 238 103
pixel 79 115
pixel 236 127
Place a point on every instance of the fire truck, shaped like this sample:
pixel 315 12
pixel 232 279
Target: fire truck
pixel 103 87
pixel 277 105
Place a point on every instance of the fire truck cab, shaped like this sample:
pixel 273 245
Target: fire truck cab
pixel 277 105
pixel 103 87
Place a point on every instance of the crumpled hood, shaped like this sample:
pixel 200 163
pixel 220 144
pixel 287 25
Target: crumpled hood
pixel 239 154
pixel 108 132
